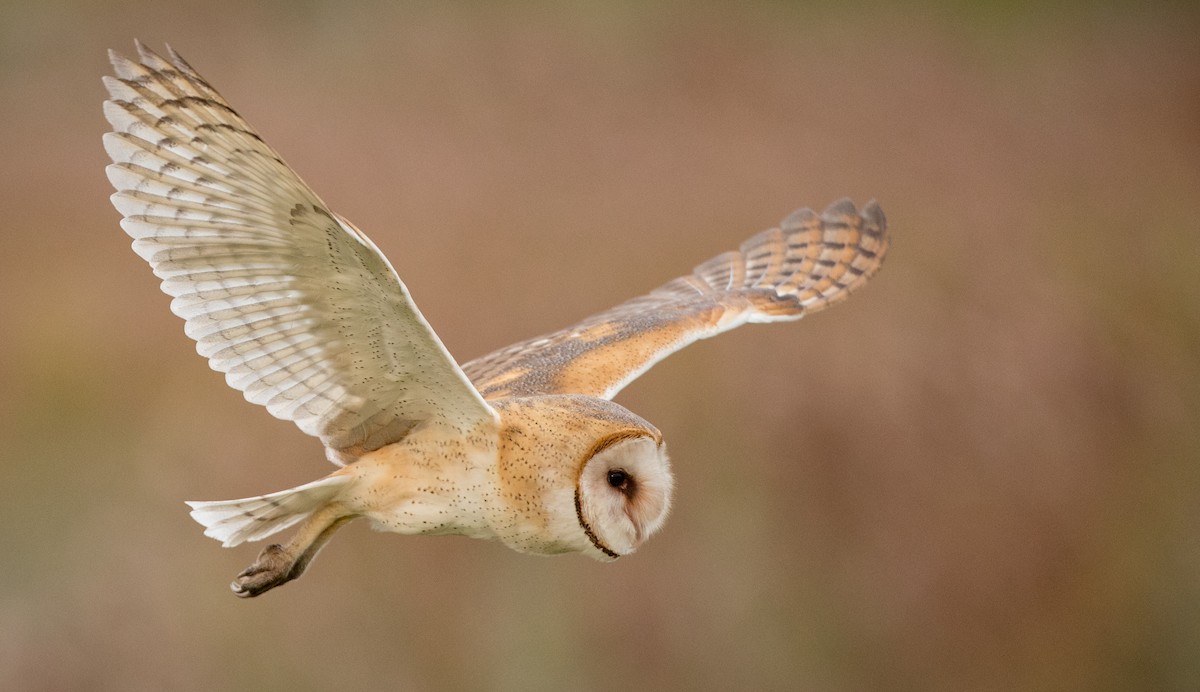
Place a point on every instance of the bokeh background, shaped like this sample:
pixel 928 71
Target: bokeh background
pixel 982 472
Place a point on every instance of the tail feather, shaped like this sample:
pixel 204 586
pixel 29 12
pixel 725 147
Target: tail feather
pixel 253 518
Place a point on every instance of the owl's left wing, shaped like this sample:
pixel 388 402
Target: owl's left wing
pixel 808 263
pixel 294 304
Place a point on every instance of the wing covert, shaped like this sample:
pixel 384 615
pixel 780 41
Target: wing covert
pixel 808 263
pixel 294 304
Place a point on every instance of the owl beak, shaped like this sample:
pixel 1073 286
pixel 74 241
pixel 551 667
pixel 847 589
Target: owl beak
pixel 637 529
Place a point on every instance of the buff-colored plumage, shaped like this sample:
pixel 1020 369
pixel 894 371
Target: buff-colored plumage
pixel 305 316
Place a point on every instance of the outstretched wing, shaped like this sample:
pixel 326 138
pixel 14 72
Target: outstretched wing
pixel 295 305
pixel 810 262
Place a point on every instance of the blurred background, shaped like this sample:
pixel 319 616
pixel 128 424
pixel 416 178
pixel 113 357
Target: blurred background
pixel 982 472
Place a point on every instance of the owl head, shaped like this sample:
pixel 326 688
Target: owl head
pixel 578 474
pixel 623 492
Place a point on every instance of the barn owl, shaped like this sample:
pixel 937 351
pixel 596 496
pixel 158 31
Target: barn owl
pixel 305 316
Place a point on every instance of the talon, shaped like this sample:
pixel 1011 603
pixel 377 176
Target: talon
pixel 250 571
pixel 273 567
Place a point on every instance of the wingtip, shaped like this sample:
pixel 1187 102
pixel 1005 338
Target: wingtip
pixel 177 58
pixel 798 219
pixel 872 213
pixel 874 221
pixel 842 207
pixel 145 54
pixel 122 66
pixel 152 59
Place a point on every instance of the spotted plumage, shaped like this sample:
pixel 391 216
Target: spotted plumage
pixel 305 316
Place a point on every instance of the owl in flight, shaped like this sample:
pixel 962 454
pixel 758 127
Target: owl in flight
pixel 305 316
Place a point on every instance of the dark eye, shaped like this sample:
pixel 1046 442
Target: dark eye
pixel 618 479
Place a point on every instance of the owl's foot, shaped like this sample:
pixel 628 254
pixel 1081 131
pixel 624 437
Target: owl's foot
pixel 274 566
pixel 277 564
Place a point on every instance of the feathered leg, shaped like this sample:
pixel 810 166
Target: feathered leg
pixel 278 564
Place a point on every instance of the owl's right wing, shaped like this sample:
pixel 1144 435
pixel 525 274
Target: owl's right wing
pixel 295 305
pixel 811 261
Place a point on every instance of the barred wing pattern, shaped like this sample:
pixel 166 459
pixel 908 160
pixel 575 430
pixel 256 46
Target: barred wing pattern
pixel 810 262
pixel 295 305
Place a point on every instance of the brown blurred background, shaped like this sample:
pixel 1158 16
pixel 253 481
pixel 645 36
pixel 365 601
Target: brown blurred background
pixel 982 472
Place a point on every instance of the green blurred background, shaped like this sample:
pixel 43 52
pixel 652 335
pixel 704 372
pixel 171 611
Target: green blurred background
pixel 982 472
